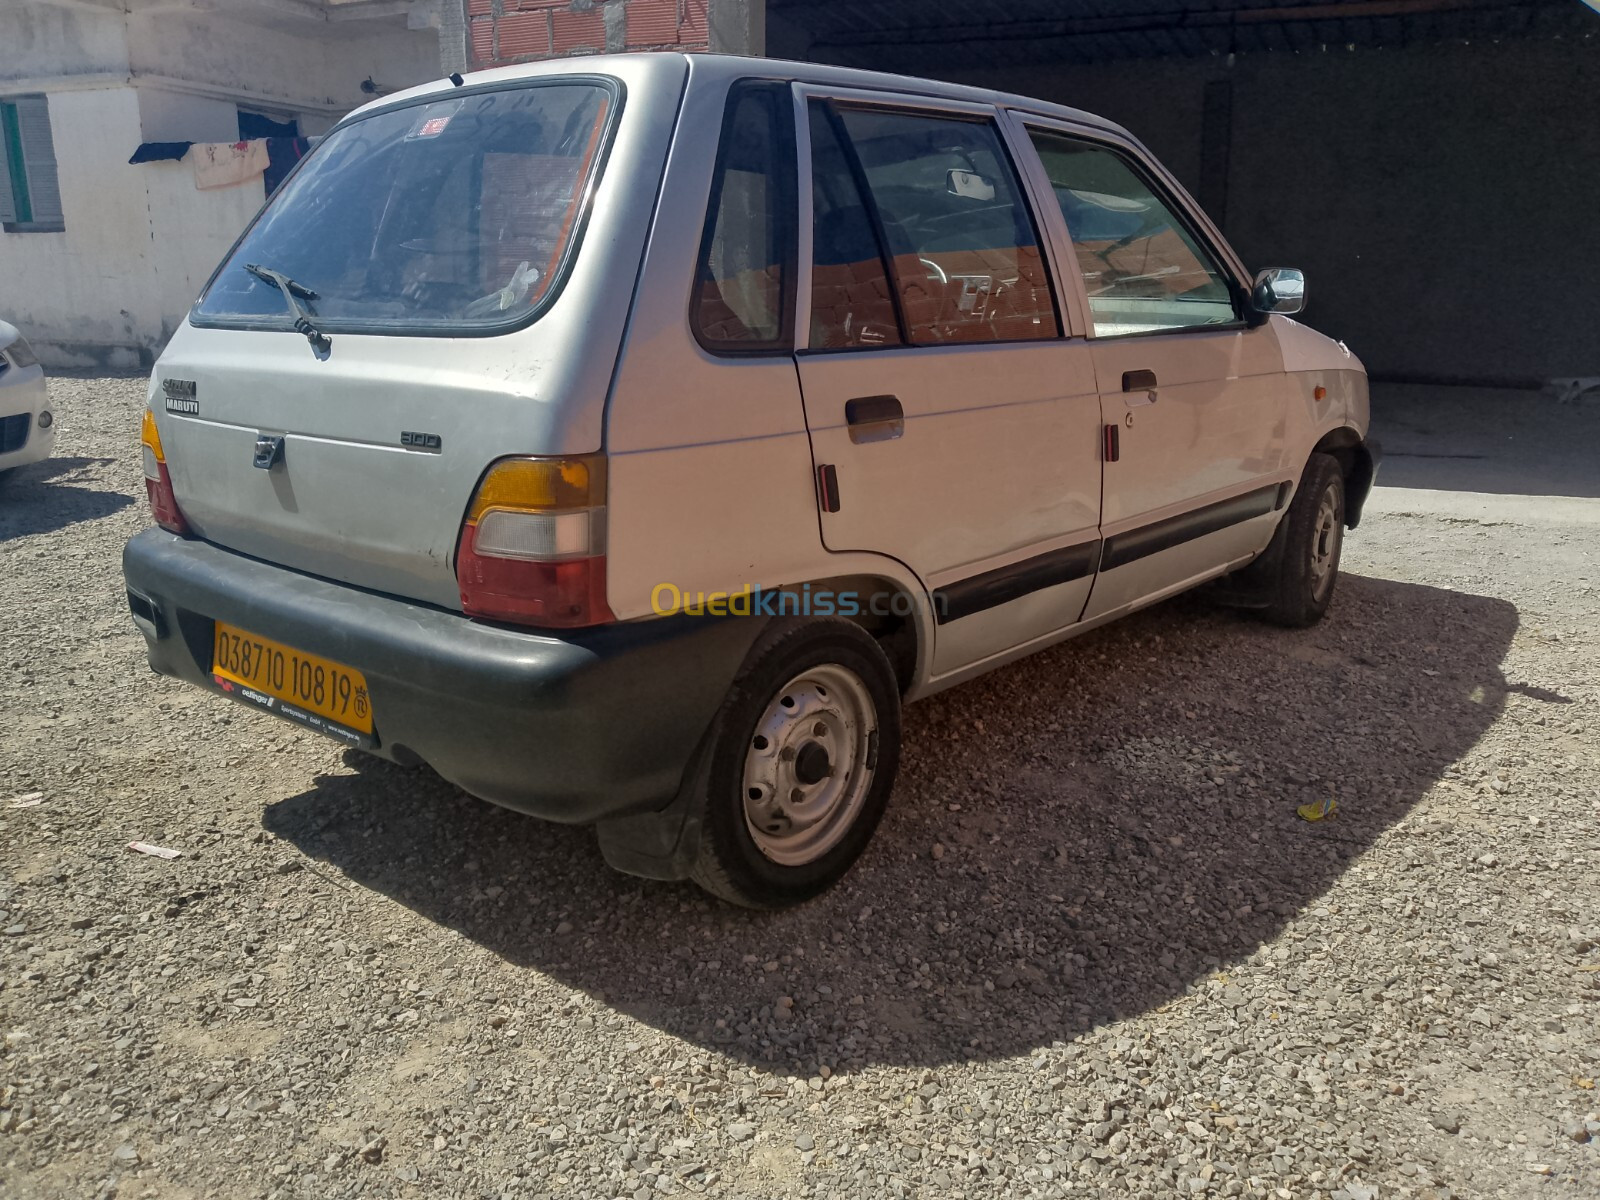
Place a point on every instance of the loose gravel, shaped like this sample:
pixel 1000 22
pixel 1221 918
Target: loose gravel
pixel 1092 950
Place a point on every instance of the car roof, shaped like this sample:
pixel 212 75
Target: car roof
pixel 724 68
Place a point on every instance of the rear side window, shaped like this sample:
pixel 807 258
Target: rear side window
pixel 852 302
pixel 1143 269
pixel 744 281
pixel 457 215
pixel 963 254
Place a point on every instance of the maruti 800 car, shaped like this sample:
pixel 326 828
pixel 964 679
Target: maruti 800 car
pixel 629 438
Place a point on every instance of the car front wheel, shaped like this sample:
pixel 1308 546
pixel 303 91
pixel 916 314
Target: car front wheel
pixel 1312 536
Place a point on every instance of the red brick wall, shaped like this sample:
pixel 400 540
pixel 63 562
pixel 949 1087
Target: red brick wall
pixel 510 31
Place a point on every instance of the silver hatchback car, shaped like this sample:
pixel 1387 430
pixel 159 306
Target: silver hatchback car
pixel 629 438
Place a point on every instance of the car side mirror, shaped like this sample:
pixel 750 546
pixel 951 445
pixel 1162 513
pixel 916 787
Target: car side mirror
pixel 1279 290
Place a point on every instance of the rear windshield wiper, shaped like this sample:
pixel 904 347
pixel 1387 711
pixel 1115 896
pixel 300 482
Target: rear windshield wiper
pixel 290 289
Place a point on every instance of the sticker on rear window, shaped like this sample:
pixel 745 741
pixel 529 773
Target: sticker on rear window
pixel 433 122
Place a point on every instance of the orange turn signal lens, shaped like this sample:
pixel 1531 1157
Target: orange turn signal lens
pixel 158 480
pixel 541 485
pixel 149 438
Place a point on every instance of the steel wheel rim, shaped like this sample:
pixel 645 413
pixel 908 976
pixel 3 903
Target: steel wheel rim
pixel 1325 538
pixel 809 765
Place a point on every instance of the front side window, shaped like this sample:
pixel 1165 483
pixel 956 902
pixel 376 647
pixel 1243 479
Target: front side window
pixel 741 298
pixel 458 214
pixel 962 251
pixel 1143 269
pixel 30 193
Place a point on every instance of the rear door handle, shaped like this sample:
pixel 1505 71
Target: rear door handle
pixel 874 418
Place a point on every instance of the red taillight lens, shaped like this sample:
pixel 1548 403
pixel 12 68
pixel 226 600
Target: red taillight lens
pixel 157 481
pixel 532 548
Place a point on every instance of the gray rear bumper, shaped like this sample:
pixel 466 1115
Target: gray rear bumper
pixel 576 728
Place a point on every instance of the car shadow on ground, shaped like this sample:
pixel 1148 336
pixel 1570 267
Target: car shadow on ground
pixel 1126 826
pixel 42 497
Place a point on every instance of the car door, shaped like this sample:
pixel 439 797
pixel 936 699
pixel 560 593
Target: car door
pixel 953 425
pixel 1194 414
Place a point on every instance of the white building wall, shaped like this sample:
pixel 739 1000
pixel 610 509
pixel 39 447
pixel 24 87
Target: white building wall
pixel 140 240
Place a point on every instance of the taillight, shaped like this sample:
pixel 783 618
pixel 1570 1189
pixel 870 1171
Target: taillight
pixel 157 482
pixel 533 548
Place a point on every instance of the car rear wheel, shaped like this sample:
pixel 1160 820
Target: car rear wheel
pixel 1312 536
pixel 803 760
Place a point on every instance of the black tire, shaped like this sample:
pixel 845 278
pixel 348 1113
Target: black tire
pixel 798 656
pixel 1306 547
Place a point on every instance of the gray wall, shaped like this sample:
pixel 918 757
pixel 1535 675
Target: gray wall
pixel 1444 201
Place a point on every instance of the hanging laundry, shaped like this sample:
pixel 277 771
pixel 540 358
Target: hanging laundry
pixel 283 152
pixel 160 152
pixel 225 164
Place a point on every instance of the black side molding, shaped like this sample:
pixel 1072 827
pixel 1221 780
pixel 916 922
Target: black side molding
pixel 1005 584
pixel 1135 544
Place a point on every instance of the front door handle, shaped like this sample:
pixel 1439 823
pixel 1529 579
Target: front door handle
pixel 874 418
pixel 1139 387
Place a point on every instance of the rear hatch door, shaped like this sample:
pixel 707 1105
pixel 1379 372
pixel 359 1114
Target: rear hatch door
pixel 429 255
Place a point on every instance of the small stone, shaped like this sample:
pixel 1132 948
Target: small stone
pixel 805 1142
pixel 937 851
pixel 373 1150
pixel 564 928
pixel 126 1156
pixel 1576 1131
pixel 740 1132
pixel 82 922
pixel 407 1173
pixel 1488 860
pixel 16 930
pixel 1448 1122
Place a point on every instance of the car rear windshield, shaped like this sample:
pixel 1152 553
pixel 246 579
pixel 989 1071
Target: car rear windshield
pixel 451 216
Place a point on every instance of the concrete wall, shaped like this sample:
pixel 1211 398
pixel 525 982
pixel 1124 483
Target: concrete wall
pixel 1444 201
pixel 140 241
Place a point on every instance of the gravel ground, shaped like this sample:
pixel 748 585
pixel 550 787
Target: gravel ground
pixel 1091 951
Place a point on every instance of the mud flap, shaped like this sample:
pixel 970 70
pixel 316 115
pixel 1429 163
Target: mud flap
pixel 1253 585
pixel 663 844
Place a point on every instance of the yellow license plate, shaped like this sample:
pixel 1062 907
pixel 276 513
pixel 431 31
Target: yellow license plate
pixel 305 687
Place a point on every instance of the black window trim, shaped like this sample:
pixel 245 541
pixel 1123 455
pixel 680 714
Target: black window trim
pixel 930 106
pixel 786 160
pixel 1238 293
pixel 617 93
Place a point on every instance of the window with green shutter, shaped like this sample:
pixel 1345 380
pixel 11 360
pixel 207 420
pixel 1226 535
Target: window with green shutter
pixel 30 194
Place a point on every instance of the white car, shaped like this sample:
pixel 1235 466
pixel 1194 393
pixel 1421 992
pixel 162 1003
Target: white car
pixel 27 426
pixel 628 438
